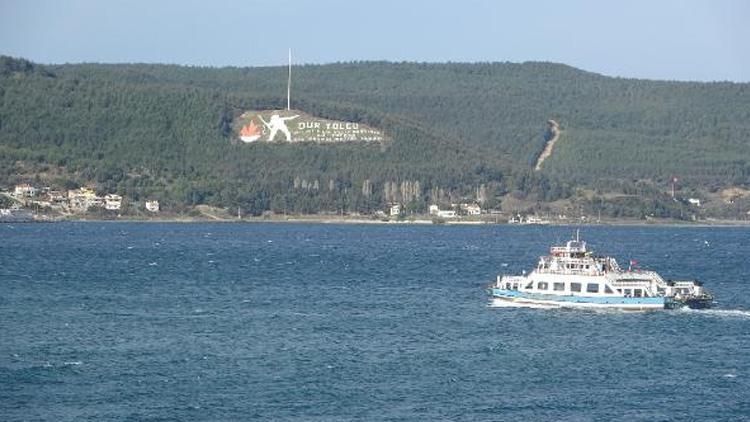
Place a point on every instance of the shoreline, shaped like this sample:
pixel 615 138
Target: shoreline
pixel 421 221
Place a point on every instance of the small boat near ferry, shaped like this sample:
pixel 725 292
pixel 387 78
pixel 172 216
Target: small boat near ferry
pixel 571 276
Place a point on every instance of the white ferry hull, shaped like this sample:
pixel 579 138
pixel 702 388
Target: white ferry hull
pixel 513 298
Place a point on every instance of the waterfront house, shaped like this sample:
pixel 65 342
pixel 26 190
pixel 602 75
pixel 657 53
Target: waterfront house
pixel 24 190
pixel 471 209
pixel 395 209
pixel 446 214
pixel 81 199
pixel 152 206
pixel 112 202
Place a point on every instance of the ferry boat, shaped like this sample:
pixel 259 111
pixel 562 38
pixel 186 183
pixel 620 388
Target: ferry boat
pixel 571 276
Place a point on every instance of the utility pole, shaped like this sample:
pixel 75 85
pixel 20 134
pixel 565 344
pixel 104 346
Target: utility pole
pixel 289 83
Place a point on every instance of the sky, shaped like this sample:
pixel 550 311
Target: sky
pixel 652 39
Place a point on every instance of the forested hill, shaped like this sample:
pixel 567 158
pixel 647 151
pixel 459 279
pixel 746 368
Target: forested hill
pixel 165 131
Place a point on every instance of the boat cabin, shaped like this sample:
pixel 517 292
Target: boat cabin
pixel 573 288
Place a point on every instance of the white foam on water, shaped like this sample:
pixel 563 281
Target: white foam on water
pixel 731 313
pixel 73 363
pixel 499 303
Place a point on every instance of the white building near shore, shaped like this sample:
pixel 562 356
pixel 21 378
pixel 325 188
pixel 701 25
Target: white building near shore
pixel 152 206
pixel 395 209
pixel 112 202
pixel 471 209
pixel 436 211
pixel 446 214
pixel 24 190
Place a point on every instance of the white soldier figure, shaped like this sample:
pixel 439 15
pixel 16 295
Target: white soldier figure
pixel 277 123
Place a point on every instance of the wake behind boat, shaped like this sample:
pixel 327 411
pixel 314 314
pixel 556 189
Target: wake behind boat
pixel 572 277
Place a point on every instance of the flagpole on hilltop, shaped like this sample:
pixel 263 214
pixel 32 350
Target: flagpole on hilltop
pixel 289 83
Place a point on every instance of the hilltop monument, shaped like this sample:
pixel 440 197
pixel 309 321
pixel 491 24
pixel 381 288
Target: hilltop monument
pixel 307 128
pixel 276 124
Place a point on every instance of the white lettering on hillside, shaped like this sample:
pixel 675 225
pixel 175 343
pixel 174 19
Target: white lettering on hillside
pixel 264 126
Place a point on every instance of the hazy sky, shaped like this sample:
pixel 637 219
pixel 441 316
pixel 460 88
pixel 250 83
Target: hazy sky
pixel 657 39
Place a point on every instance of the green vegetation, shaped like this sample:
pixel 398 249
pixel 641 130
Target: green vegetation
pixel 164 132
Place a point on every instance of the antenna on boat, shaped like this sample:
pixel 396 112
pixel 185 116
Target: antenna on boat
pixel 289 83
pixel 577 234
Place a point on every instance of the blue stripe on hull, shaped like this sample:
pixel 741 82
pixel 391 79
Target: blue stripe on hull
pixel 578 300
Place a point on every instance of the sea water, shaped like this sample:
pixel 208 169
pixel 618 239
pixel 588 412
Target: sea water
pixel 297 322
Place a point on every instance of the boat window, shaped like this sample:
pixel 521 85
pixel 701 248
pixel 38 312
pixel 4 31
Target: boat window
pixel 637 293
pixel 530 285
pixel 592 288
pixel 558 287
pixel 607 289
pixel 587 266
pixel 542 285
pixel 507 286
pixel 575 287
pixel 628 293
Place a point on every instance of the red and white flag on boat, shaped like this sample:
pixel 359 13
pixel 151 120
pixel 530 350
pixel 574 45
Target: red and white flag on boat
pixel 633 263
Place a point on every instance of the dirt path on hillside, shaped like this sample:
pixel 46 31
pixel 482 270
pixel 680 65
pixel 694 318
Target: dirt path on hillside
pixel 555 128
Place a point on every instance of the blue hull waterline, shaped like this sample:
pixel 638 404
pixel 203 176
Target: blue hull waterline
pixel 557 301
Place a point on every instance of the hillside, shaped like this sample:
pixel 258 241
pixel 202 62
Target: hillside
pixel 166 131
